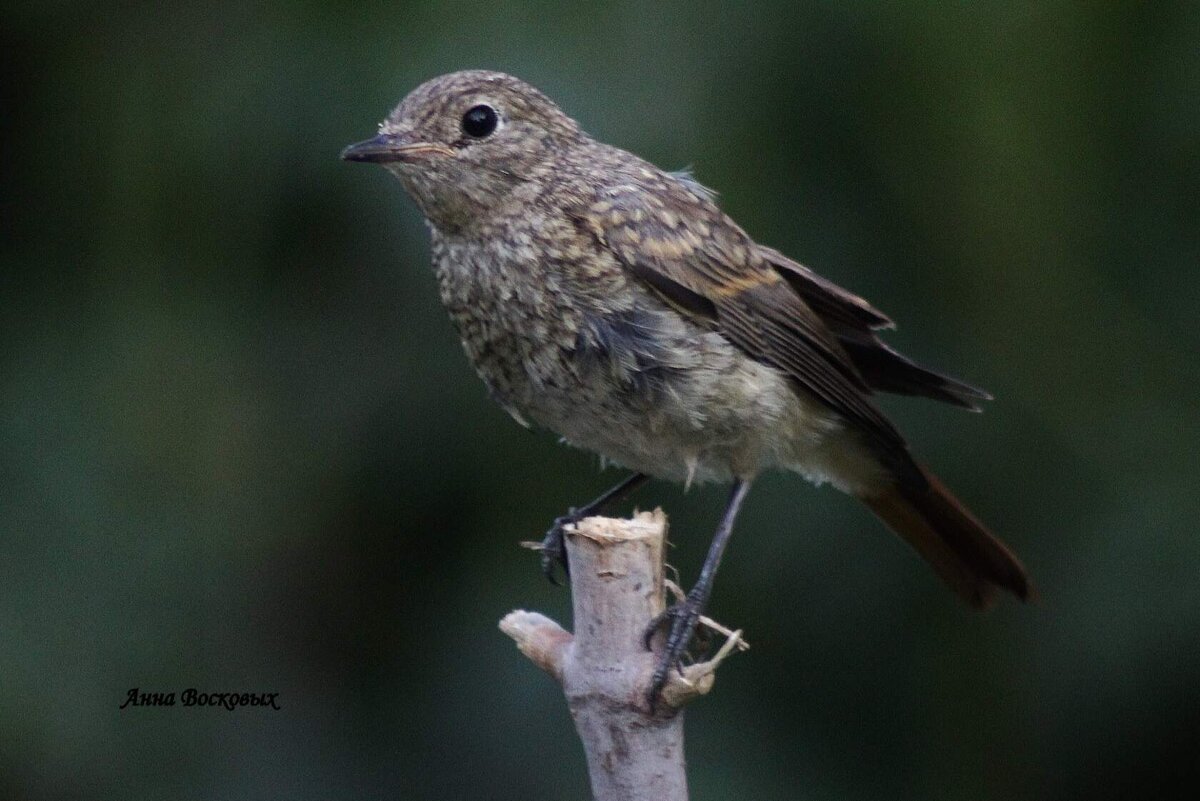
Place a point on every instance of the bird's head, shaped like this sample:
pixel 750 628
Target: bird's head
pixel 461 143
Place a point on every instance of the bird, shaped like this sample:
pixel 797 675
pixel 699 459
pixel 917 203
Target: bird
pixel 615 304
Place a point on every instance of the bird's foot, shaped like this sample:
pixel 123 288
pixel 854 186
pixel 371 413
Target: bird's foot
pixel 554 548
pixel 683 618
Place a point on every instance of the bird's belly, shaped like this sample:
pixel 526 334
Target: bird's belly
pixel 726 416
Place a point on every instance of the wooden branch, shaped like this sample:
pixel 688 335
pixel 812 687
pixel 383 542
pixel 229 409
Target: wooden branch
pixel 633 753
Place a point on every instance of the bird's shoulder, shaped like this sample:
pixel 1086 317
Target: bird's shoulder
pixel 665 227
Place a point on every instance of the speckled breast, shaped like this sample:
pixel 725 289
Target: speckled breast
pixel 581 350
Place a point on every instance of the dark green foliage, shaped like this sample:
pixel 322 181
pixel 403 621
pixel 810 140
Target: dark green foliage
pixel 240 449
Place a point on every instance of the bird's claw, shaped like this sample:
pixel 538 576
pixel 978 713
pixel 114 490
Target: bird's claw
pixel 683 618
pixel 554 550
pixel 657 623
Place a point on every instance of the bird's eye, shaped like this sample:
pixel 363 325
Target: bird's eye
pixel 479 121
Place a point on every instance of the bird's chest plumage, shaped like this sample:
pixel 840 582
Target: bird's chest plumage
pixel 573 345
pixel 516 322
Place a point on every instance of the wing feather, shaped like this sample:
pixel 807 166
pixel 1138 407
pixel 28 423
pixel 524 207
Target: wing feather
pixel 679 244
pixel 854 322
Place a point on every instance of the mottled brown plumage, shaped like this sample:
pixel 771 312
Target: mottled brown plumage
pixel 616 304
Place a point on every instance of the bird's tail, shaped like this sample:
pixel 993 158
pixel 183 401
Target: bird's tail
pixel 959 548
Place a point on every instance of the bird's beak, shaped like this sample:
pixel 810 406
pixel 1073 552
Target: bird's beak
pixel 387 148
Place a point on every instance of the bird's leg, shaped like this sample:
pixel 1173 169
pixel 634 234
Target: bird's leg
pixel 685 615
pixel 553 550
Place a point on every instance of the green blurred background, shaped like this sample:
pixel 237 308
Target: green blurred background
pixel 240 448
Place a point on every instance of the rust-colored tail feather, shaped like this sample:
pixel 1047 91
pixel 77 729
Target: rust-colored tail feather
pixel 958 547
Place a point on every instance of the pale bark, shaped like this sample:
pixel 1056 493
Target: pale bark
pixel 633 753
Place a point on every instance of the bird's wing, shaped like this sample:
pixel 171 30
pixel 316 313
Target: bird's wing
pixel 837 306
pixel 679 244
pixel 854 322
